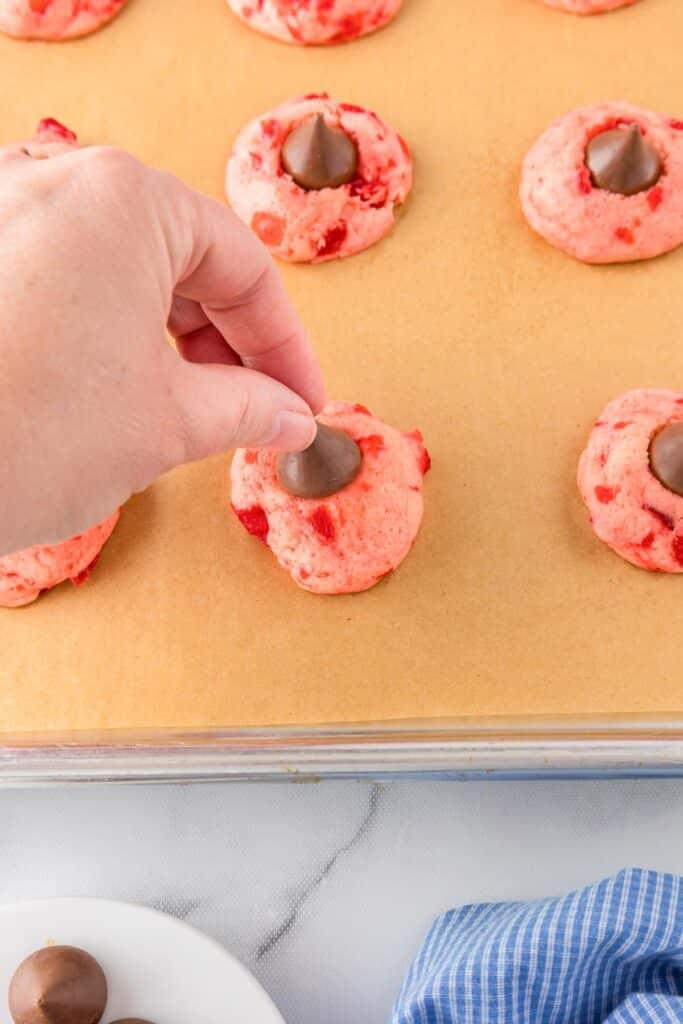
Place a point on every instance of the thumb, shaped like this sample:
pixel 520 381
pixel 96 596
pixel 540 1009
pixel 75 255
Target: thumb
pixel 222 407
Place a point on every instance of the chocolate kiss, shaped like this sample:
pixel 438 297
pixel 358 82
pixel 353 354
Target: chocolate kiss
pixel 319 156
pixel 622 160
pixel 325 467
pixel 58 985
pixel 666 457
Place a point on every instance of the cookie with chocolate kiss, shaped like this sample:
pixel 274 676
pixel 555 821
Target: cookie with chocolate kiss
pixel 605 183
pixel 631 478
pixel 344 513
pixel 318 179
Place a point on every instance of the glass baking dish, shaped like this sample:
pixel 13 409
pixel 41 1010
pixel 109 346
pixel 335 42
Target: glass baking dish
pixel 531 748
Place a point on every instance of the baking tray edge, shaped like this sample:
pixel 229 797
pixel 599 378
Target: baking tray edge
pixel 512 748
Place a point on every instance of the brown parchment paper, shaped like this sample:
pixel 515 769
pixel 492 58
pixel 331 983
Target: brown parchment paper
pixel 463 323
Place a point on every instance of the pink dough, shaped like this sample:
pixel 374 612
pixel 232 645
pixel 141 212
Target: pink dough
pixel 630 509
pixel 592 224
pixel 315 22
pixel 587 6
pixel 350 540
pixel 24 575
pixel 55 19
pixel 51 139
pixel 313 226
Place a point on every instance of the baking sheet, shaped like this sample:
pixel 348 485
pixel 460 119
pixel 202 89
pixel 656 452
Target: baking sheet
pixel 501 349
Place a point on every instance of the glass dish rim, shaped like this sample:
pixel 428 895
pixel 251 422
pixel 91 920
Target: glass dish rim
pixel 475 748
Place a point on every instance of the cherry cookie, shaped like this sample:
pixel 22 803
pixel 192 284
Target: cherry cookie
pixel 51 139
pixel 25 574
pixel 55 19
pixel 605 183
pixel 587 6
pixel 317 179
pixel 631 478
pixel 315 22
pixel 345 512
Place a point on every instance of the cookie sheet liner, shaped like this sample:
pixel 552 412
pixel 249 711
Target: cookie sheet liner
pixel 462 323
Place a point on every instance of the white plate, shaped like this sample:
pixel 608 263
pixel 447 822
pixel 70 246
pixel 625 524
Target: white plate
pixel 156 967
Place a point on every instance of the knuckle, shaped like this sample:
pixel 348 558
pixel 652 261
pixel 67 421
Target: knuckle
pixel 109 164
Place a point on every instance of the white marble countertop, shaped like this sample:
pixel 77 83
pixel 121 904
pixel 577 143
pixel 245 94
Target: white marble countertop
pixel 326 890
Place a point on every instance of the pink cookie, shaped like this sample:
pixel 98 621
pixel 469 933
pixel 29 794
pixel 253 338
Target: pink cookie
pixel 24 575
pixel 350 540
pixel 55 19
pixel 587 6
pixel 315 22
pixel 51 139
pixel 630 509
pixel 313 226
pixel 595 225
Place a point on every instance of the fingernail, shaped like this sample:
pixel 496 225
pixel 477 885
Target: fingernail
pixel 292 432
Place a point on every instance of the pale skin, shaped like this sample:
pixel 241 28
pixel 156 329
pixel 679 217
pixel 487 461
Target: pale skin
pixel 100 256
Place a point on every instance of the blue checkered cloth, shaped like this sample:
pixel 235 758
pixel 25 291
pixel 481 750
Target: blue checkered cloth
pixel 608 954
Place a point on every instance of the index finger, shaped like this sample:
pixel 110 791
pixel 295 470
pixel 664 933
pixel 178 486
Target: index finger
pixel 219 263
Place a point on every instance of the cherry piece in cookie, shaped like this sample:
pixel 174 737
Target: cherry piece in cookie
pixel 317 179
pixel 621 160
pixel 51 139
pixel 345 540
pixel 328 465
pixel 55 19
pixel 587 6
pixel 319 156
pixel 631 478
pixel 315 22
pixel 605 183
pixel 58 985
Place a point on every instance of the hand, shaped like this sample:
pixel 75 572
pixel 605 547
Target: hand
pixel 99 256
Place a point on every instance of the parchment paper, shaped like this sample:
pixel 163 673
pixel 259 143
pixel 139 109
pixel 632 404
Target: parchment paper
pixel 463 323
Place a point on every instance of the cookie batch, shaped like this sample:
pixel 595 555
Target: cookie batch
pixel 320 179
pixel 60 985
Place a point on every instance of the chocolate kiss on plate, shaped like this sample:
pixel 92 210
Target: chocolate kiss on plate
pixel 58 985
